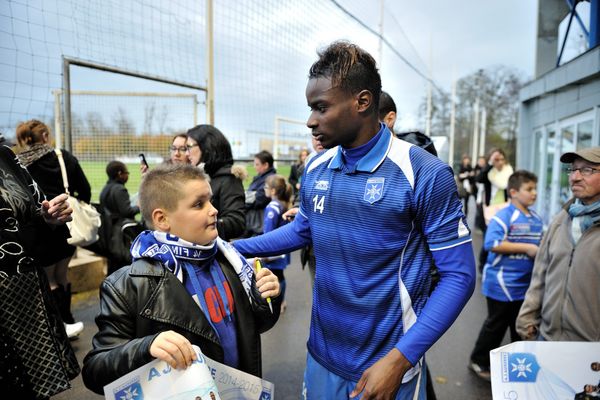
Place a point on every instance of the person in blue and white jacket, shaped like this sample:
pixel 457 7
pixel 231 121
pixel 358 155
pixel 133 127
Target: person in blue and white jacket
pixel 512 239
pixel 280 192
pixel 378 211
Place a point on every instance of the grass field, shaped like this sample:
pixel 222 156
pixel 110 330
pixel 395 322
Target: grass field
pixel 96 175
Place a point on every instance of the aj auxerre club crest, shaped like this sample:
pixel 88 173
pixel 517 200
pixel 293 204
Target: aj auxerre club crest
pixel 519 367
pixel 373 189
pixel 130 391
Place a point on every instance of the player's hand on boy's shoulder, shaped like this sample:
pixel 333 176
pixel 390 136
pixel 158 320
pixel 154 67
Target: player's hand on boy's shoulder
pixel 267 283
pixel 174 349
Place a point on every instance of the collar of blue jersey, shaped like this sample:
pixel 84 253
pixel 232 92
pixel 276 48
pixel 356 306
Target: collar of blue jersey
pixel 373 158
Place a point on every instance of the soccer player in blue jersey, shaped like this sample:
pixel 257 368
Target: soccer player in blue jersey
pixel 512 239
pixel 378 211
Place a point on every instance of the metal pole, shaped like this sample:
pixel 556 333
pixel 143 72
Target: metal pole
pixel 452 125
pixel 482 136
pixel 195 106
pixel 380 49
pixel 210 84
pixel 475 130
pixel 57 127
pixel 562 47
pixel 67 92
pixel 123 71
pixel 429 91
pixel 276 142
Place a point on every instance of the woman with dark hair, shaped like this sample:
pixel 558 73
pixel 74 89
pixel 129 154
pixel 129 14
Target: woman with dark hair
pixel 42 163
pixel 210 149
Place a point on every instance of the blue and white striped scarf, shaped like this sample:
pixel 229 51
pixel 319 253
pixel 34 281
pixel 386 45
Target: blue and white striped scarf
pixel 583 216
pixel 173 252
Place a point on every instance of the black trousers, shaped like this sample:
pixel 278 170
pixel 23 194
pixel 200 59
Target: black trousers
pixel 501 315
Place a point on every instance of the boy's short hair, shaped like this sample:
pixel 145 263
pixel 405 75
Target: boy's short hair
pixel 519 178
pixel 350 68
pixel 162 187
pixel 386 105
pixel 113 168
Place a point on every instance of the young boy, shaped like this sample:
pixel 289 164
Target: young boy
pixel 180 290
pixel 512 239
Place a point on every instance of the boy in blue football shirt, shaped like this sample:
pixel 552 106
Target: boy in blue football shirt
pixel 378 211
pixel 512 239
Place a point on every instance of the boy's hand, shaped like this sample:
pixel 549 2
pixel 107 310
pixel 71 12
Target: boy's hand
pixel 290 214
pixel 174 349
pixel 532 250
pixel 532 332
pixel 267 283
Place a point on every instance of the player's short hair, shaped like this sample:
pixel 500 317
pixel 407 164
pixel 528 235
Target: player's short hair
pixel 350 68
pixel 162 187
pixel 519 178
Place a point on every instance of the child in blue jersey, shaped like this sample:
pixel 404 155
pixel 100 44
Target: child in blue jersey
pixel 280 192
pixel 512 239
pixel 186 286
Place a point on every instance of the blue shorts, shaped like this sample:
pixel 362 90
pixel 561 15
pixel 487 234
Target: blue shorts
pixel 320 383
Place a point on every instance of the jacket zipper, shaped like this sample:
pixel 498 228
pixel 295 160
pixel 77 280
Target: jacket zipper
pixel 571 257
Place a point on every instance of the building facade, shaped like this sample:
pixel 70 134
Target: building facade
pixel 560 108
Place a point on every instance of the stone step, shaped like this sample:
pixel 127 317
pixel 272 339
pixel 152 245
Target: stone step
pixel 86 270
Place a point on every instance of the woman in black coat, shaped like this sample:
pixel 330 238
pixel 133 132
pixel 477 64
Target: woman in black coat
pixel 36 358
pixel 210 149
pixel 42 163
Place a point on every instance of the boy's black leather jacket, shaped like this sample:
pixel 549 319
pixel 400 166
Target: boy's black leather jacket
pixel 142 300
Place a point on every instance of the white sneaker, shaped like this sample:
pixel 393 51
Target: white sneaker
pixel 73 330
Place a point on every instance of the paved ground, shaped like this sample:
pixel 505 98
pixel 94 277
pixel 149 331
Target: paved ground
pixel 284 347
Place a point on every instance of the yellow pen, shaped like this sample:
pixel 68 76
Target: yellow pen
pixel 258 267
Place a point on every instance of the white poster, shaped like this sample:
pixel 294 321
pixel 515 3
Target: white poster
pixel 205 379
pixel 546 371
pixel 234 384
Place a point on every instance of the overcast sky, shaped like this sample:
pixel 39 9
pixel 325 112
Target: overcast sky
pixel 464 36
pixel 263 50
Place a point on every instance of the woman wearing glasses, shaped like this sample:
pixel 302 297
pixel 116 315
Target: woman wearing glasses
pixel 209 148
pixel 178 150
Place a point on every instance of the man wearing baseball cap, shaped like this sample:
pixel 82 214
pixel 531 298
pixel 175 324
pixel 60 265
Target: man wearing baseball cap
pixel 563 299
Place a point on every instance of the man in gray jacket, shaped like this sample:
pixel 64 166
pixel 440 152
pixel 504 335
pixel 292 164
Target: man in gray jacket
pixel 563 299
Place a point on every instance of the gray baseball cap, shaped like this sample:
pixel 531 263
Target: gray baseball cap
pixel 591 154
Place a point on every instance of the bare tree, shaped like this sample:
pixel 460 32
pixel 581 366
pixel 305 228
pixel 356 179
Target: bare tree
pixel 95 124
pixel 123 124
pixel 149 110
pixel 161 119
pixel 497 89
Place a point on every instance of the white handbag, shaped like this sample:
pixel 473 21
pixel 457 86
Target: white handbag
pixel 86 219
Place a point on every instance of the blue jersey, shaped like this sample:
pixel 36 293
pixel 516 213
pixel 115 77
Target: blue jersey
pixel 376 230
pixel 506 277
pixel 272 221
